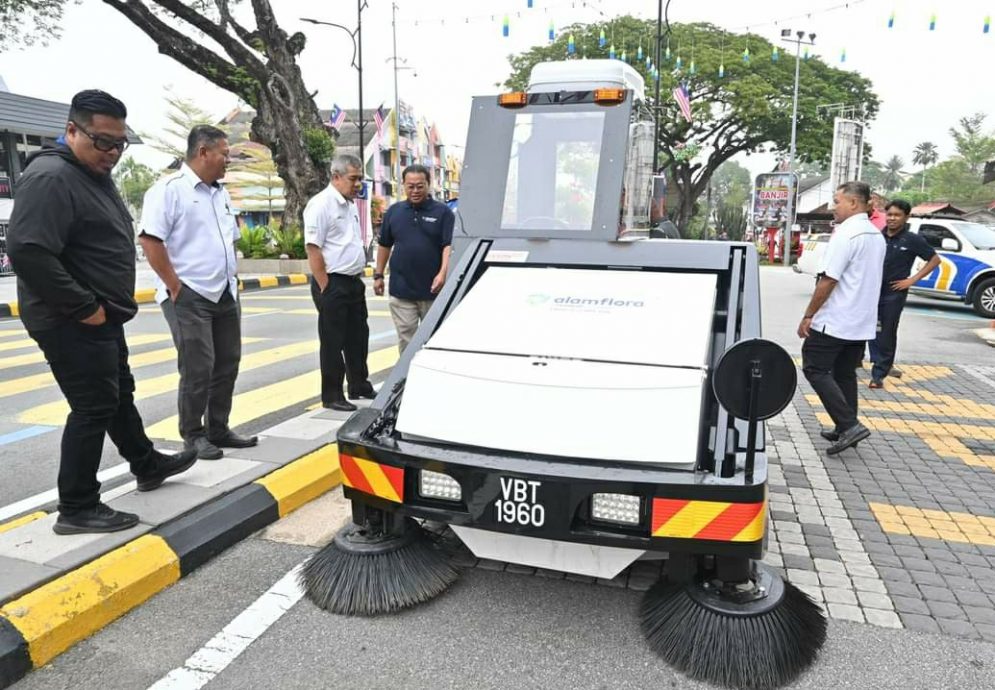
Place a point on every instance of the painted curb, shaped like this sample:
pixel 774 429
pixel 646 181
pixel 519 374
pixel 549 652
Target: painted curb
pixel 42 624
pixel 147 295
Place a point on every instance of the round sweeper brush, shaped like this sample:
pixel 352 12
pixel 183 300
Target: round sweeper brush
pixel 760 633
pixel 365 572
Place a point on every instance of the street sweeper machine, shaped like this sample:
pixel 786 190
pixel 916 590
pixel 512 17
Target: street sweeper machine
pixel 578 402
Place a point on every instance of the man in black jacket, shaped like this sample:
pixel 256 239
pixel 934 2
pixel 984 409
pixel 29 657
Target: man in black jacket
pixel 72 245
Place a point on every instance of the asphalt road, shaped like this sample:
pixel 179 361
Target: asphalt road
pixel 279 328
pixel 491 629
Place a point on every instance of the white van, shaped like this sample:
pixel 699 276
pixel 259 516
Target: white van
pixel 967 261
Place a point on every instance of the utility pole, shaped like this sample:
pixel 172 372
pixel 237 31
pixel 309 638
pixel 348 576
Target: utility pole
pixel 360 5
pixel 397 111
pixel 656 64
pixel 789 220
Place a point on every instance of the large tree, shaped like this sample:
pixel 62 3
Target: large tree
pixel 251 56
pixel 924 154
pixel 746 110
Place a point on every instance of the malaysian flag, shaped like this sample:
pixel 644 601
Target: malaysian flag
pixel 683 99
pixel 378 117
pixel 337 117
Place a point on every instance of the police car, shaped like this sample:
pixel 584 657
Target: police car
pixel 967 261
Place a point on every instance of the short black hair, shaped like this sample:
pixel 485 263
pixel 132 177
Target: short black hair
pixel 203 135
pixel 901 204
pixel 416 169
pixel 861 190
pixel 92 102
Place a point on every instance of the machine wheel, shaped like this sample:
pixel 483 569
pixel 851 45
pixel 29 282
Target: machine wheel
pixel 984 299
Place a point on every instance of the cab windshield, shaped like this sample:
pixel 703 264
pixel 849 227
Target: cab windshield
pixel 981 236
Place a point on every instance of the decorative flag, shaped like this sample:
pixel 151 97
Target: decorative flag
pixel 988 25
pixel 649 60
pixel 552 31
pixel 337 117
pixel 746 54
pixel 843 55
pixel 679 62
pixel 611 52
pixel 639 53
pixel 722 70
pixel 505 27
pixel 379 118
pixel 891 21
pixel 656 74
pixel 805 55
pixel 530 4
pixel 774 55
pixel 601 39
pixel 691 68
pixel 666 54
pixel 571 46
pixel 624 57
pixel 683 99
pixel 932 22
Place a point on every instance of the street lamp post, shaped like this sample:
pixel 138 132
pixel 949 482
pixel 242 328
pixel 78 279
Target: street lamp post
pixel 357 61
pixel 799 41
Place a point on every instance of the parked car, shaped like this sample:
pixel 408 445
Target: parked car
pixel 967 261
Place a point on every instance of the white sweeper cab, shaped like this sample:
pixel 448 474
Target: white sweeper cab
pixel 577 402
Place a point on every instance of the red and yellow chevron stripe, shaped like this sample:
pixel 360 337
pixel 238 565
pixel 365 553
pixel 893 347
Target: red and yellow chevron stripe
pixel 373 478
pixel 714 520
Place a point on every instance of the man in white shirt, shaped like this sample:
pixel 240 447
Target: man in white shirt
pixel 188 234
pixel 337 261
pixel 843 314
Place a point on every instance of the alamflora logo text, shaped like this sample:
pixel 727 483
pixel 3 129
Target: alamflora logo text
pixel 569 300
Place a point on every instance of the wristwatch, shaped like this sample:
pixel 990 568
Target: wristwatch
pixel 378 276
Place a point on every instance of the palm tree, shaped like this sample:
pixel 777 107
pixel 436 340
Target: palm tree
pixel 925 155
pixel 892 174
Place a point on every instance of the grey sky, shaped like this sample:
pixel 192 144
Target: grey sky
pixel 926 80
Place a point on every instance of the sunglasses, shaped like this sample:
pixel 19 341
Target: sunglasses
pixel 102 142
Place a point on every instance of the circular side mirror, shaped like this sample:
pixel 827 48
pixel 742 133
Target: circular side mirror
pixel 776 378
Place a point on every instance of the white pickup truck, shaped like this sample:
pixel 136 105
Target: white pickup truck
pixel 967 261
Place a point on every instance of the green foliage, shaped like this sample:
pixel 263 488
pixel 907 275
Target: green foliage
pixel 23 22
pixel 974 145
pixel 732 184
pixel 320 146
pixel 133 179
pixel 254 242
pixel 288 240
pixel 183 114
pixel 732 221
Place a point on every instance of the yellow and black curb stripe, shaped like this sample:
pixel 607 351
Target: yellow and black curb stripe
pixel 40 625
pixel 147 295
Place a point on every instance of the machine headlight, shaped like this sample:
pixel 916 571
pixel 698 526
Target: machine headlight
pixel 622 509
pixel 438 485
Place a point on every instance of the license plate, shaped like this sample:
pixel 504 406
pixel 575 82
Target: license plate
pixel 519 503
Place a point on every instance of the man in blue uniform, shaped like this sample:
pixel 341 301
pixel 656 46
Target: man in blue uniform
pixel 416 235
pixel 903 247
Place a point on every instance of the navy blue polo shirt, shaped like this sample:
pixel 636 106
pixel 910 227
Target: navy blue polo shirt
pixel 418 234
pixel 901 253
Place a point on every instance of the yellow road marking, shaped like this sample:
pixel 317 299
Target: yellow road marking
pixel 940 406
pixel 17 344
pixel 12 332
pixel 277 396
pixel 303 296
pixel 268 281
pixel 304 479
pixel 37 381
pixel 38 357
pixel 14 524
pixel 298 279
pixel 935 524
pixel 54 413
pixel 56 616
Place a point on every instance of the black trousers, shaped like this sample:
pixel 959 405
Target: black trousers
pixel 90 364
pixel 882 349
pixel 208 339
pixel 830 365
pixel 343 334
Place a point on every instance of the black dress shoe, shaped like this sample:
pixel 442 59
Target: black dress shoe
pixel 340 405
pixel 365 395
pixel 233 440
pixel 101 518
pixel 167 466
pixel 830 435
pixel 849 438
pixel 205 449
